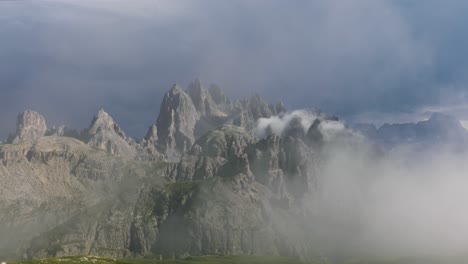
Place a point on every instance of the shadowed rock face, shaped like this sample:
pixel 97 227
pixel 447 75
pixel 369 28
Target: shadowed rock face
pixel 29 126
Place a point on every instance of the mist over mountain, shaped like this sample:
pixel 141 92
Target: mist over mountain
pixel 322 131
pixel 220 176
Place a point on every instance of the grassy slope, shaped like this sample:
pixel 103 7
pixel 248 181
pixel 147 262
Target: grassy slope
pixel 233 260
pixel 190 260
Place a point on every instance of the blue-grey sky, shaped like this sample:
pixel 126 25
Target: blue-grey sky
pixel 364 60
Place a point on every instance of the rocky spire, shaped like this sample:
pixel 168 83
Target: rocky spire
pixel 30 125
pixel 176 123
pixel 104 121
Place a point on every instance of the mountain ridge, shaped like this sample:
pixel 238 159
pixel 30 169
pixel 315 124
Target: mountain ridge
pixel 211 176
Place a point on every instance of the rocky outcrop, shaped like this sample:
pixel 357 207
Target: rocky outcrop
pixel 30 125
pixel 105 134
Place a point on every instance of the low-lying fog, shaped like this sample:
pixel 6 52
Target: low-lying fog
pixel 403 202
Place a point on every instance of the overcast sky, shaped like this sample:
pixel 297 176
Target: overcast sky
pixel 364 60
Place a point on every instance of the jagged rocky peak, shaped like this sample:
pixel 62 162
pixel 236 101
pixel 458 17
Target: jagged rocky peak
pixel 187 115
pixel 105 134
pixel 176 122
pixel 30 125
pixel 104 121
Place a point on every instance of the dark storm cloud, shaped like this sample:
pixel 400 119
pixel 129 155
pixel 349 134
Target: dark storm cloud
pixel 67 59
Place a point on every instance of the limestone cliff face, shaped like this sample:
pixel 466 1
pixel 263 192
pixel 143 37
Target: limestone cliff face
pixel 30 125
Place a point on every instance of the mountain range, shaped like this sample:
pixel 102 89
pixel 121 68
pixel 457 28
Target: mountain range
pixel 439 130
pixel 202 181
